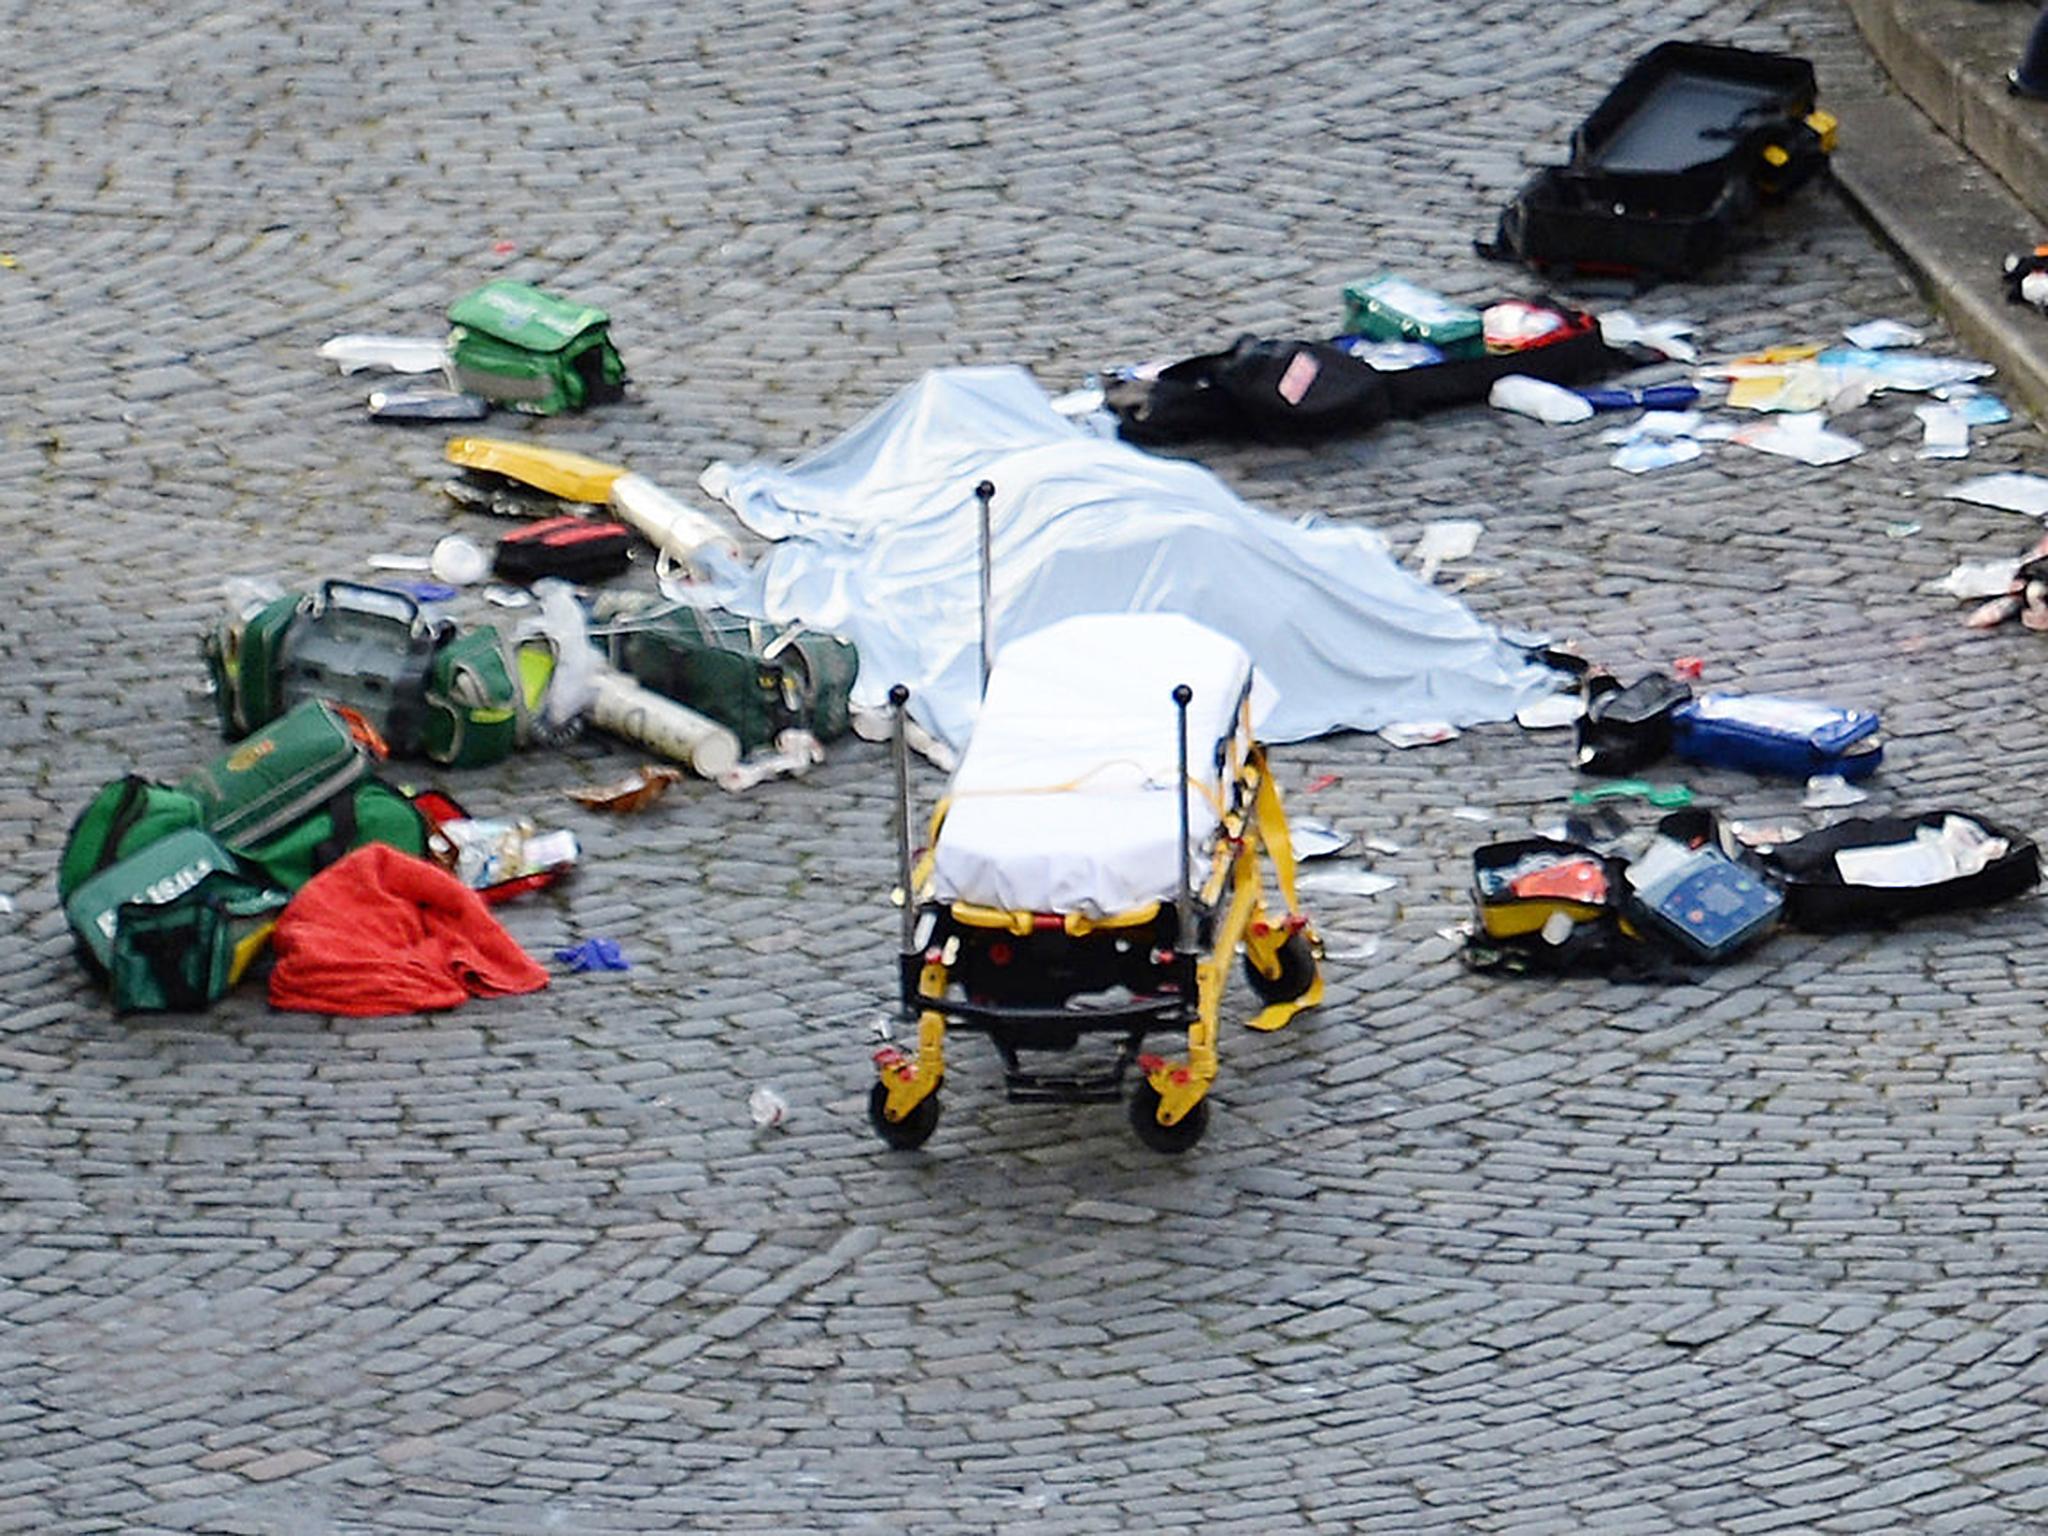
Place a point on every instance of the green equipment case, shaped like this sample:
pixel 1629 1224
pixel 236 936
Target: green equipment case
pixel 514 344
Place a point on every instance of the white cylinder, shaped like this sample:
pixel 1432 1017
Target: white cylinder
pixel 644 717
pixel 670 526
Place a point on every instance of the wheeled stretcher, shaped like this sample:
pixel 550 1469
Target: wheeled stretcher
pixel 1096 862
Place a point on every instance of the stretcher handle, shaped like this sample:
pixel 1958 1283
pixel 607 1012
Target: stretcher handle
pixel 1183 896
pixel 899 750
pixel 985 493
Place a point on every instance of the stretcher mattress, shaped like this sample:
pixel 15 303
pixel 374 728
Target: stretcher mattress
pixel 1067 797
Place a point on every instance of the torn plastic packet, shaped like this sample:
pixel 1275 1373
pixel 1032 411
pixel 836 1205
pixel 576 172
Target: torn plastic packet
pixel 2010 491
pixel 1946 432
pixel 1558 709
pixel 1620 328
pixel 635 792
pixel 1417 733
pixel 1451 539
pixel 1980 408
pixel 1979 579
pixel 394 354
pixel 1359 883
pixel 1829 791
pixel 1803 436
pixel 1878 335
pixel 1645 454
pixel 1313 839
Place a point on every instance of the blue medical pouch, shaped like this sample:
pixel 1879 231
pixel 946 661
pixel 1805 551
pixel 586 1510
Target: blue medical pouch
pixel 1795 737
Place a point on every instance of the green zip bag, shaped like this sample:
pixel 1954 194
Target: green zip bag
pixel 516 345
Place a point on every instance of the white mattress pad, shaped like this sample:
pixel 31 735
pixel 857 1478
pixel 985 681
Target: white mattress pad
pixel 1067 797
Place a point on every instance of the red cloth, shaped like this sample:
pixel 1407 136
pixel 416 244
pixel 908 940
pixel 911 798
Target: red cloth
pixel 380 932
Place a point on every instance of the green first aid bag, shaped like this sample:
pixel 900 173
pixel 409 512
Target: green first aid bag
pixel 368 811
pixel 515 344
pixel 130 895
pixel 475 707
pixel 187 952
pixel 753 679
pixel 284 772
pixel 126 814
pixel 300 793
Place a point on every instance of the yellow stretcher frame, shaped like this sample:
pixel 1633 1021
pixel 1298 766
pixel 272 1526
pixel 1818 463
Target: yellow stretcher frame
pixel 1252 832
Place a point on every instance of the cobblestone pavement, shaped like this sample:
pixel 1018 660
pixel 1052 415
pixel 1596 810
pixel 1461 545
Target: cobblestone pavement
pixel 1759 1254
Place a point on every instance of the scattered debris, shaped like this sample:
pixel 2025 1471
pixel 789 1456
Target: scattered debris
pixel 2009 491
pixel 1417 733
pixel 1622 329
pixel 1550 712
pixel 394 354
pixel 1878 335
pixel 1801 435
pixel 1830 791
pixel 1313 839
pixel 635 792
pixel 1552 404
pixel 767 1108
pixel 425 400
pixel 594 954
pixel 1946 431
pixel 1360 883
pixel 1667 796
pixel 1451 539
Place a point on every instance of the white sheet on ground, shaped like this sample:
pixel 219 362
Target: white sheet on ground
pixel 877 539
pixel 1067 799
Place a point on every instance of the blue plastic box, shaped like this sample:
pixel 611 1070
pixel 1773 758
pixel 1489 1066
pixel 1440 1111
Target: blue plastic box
pixel 1796 737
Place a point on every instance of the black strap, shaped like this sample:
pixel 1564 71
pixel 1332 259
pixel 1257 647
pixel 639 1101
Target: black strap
pixel 341 810
pixel 409 692
pixel 133 791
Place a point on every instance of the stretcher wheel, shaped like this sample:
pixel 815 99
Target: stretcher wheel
pixel 1179 1136
pixel 1297 971
pixel 914 1129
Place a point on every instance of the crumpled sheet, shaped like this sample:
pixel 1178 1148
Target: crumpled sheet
pixel 878 536
pixel 379 932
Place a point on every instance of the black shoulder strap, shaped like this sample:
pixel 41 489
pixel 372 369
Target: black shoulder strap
pixel 341 809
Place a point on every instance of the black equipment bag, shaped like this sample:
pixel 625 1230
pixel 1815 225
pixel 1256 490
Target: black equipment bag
pixel 1817 897
pixel 1569 220
pixel 1668 167
pixel 577 549
pixel 1625 730
pixel 1272 390
pixel 1575 354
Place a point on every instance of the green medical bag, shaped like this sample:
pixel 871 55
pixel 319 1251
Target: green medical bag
pixel 514 344
pixel 752 678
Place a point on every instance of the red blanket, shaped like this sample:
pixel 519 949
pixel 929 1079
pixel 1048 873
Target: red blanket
pixel 380 932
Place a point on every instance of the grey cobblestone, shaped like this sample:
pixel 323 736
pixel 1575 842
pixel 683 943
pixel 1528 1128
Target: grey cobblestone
pixel 1757 1255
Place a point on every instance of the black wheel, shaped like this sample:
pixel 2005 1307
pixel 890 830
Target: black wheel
pixel 1297 971
pixel 1179 1136
pixel 914 1129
